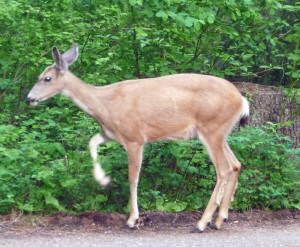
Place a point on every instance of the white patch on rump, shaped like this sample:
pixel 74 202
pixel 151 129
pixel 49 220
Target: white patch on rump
pixel 245 109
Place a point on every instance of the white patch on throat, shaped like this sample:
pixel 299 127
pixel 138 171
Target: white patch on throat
pixel 77 102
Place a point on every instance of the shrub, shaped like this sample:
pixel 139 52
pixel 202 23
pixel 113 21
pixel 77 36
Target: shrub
pixel 46 167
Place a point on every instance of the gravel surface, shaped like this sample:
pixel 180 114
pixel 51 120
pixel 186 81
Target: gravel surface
pixel 234 235
pixel 255 228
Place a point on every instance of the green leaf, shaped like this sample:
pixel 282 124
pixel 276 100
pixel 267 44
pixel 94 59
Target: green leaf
pixel 189 22
pixel 32 153
pixel 192 169
pixel 197 26
pixel 69 183
pixel 175 207
pixel 262 45
pixel 26 207
pixel 210 19
pixel 159 203
pixel 162 14
pixel 139 2
pixel 50 200
pixel 132 2
pixel 202 22
pixel 11 153
pixel 141 32
pixel 247 56
pixel 101 198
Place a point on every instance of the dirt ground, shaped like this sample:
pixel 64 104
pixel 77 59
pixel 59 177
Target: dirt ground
pixel 15 224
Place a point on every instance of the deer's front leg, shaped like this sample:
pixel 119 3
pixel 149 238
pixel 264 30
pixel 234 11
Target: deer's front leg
pixel 135 156
pixel 98 172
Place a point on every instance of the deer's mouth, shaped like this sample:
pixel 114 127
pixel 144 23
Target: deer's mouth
pixel 32 102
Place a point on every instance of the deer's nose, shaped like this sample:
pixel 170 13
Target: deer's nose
pixel 29 100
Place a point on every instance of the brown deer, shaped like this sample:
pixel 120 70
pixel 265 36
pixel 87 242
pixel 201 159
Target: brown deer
pixel 134 112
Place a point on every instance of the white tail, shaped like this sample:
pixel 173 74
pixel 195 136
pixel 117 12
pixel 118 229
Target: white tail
pixel 175 107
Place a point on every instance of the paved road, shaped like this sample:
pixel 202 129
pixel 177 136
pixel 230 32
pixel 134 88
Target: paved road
pixel 232 235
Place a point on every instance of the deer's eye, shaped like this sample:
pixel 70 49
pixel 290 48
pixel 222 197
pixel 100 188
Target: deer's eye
pixel 47 79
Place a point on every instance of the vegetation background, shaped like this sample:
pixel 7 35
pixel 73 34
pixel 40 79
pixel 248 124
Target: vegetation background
pixel 44 162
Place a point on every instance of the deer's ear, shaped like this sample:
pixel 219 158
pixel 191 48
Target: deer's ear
pixel 58 60
pixel 71 55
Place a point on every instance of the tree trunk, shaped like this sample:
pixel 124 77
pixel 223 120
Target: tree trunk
pixel 270 104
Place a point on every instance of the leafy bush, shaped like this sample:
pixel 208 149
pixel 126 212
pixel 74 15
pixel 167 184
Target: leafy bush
pixel 45 167
pixel 270 176
pixel 249 40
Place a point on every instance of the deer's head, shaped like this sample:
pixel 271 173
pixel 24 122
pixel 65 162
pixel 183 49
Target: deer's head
pixel 52 80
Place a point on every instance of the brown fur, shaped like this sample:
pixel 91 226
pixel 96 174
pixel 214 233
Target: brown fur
pixel 175 107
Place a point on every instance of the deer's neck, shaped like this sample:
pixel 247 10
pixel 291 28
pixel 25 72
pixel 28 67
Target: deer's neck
pixel 82 94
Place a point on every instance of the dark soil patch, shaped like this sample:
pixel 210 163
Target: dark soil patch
pixel 153 220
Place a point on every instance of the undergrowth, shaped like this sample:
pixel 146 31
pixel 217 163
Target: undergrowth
pixel 45 167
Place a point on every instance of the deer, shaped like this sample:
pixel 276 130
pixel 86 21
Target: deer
pixel 167 108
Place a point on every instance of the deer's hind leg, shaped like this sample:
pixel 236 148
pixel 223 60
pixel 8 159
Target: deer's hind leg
pixel 216 147
pixel 234 167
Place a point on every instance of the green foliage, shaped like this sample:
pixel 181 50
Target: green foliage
pixel 246 40
pixel 45 167
pixel 44 162
pixel 270 176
